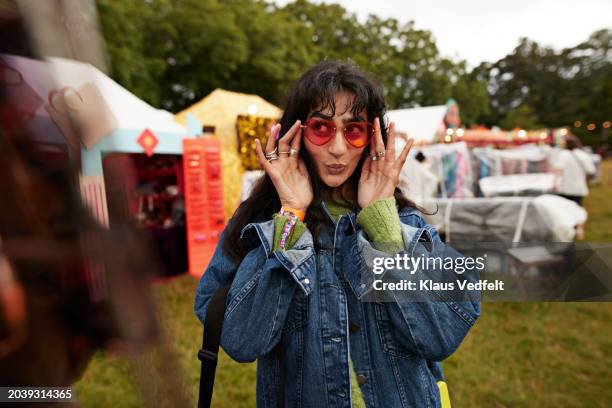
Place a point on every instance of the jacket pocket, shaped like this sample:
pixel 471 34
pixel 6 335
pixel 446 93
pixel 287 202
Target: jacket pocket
pixel 389 342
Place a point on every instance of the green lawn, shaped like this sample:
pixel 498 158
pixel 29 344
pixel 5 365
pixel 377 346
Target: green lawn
pixel 517 355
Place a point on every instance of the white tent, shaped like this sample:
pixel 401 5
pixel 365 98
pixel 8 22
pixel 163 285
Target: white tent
pixel 130 111
pixel 108 118
pixel 56 74
pixel 421 124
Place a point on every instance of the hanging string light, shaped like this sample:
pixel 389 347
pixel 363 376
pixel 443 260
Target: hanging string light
pixel 593 126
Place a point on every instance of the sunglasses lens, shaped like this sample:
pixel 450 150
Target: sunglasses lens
pixel 319 132
pixel 357 133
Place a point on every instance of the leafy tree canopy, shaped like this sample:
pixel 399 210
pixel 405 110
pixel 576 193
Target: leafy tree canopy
pixel 172 53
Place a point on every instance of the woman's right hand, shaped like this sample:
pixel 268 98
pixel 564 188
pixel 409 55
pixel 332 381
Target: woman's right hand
pixel 288 173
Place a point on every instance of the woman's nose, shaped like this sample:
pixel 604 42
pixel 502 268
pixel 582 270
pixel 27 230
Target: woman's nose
pixel 337 146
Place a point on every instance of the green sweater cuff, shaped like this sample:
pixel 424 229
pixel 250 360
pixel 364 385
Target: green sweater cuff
pixel 381 223
pixel 294 235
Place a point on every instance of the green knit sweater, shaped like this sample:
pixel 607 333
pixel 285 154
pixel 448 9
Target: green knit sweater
pixel 379 220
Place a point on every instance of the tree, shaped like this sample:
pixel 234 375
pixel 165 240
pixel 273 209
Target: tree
pixel 542 87
pixel 125 27
pixel 174 52
pixel 522 117
pixel 473 99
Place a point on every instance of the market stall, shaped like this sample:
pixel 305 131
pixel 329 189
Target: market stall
pixel 130 155
pixel 238 118
pixel 451 165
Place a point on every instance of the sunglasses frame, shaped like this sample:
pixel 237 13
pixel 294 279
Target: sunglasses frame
pixel 335 129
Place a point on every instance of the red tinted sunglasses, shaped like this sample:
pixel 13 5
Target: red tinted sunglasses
pixel 321 131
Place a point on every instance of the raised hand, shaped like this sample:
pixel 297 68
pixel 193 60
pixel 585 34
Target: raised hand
pixel 286 170
pixel 381 170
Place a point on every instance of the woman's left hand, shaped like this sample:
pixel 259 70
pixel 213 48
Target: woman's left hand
pixel 380 177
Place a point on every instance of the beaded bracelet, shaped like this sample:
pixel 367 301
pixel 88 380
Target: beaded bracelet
pixel 298 213
pixel 287 228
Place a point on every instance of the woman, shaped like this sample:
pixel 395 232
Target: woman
pixel 572 167
pixel 294 253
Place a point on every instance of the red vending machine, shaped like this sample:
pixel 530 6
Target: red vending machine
pixel 203 200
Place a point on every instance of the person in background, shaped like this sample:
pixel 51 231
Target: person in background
pixel 572 168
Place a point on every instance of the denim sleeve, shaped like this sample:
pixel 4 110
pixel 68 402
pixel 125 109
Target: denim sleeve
pixel 433 326
pixel 262 288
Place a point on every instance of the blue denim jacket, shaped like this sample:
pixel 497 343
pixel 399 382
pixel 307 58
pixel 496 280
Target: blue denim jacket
pixel 308 299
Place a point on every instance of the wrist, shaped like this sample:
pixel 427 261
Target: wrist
pixel 373 200
pixel 297 212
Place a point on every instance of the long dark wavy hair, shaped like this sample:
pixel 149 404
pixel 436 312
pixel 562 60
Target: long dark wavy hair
pixel 314 90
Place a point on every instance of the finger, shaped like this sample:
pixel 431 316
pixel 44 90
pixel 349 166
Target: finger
pixel 283 143
pixel 404 154
pixel 375 130
pixel 263 162
pixel 296 142
pixel 380 144
pixel 390 153
pixel 302 167
pixel 366 169
pixel 271 143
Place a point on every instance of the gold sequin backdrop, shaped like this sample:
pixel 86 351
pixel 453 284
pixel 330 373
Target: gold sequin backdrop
pixel 221 109
pixel 250 128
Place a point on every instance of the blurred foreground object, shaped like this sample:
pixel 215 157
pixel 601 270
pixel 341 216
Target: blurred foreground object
pixel 68 286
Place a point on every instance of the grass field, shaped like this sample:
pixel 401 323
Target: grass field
pixel 517 355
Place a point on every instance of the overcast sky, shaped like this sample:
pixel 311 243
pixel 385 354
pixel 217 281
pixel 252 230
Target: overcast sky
pixel 487 30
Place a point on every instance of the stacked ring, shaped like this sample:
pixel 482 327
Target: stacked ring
pixel 377 156
pixel 273 155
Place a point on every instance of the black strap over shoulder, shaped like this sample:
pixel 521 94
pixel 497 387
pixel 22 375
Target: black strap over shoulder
pixel 210 345
pixel 209 352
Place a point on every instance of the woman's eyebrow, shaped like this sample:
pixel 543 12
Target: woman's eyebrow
pixel 354 119
pixel 327 117
pixel 321 115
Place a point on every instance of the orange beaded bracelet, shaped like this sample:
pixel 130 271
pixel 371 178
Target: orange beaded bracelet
pixel 298 213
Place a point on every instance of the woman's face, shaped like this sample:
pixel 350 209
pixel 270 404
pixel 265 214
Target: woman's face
pixel 337 159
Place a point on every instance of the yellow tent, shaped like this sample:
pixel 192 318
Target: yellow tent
pixel 220 109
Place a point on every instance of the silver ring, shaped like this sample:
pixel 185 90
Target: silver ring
pixel 272 158
pixel 273 153
pixel 380 154
pixel 294 152
pixel 374 158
